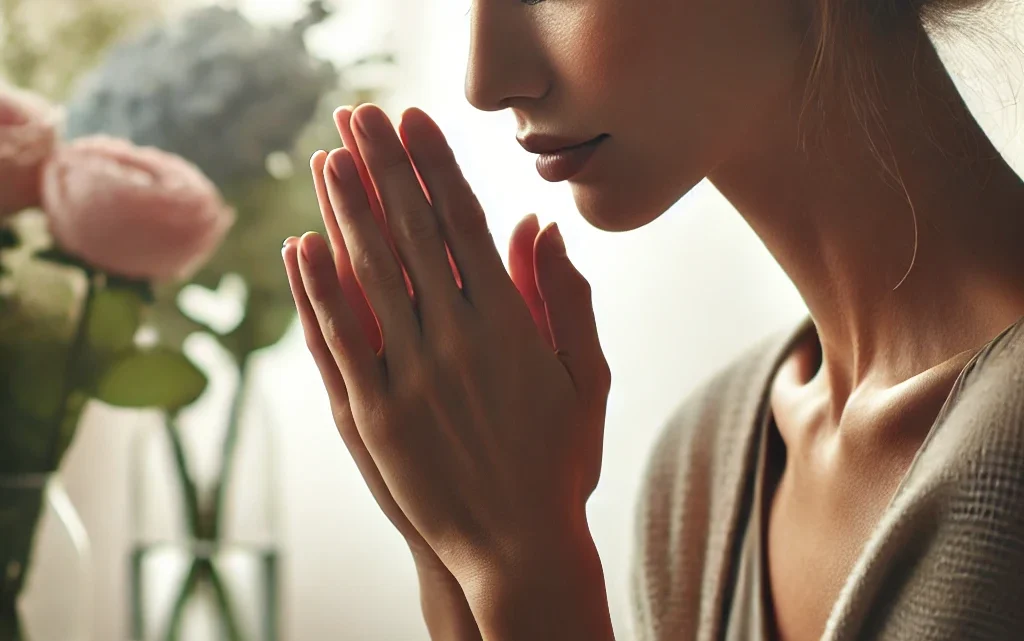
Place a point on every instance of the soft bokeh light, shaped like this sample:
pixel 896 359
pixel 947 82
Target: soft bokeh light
pixel 675 301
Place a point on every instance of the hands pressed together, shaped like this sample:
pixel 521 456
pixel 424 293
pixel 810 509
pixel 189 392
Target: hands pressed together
pixel 472 399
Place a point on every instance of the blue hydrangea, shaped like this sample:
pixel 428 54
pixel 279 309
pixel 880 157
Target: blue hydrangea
pixel 211 87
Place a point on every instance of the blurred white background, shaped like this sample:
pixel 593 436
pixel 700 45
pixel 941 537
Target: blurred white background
pixel 674 300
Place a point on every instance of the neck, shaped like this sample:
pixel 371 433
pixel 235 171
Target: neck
pixel 900 269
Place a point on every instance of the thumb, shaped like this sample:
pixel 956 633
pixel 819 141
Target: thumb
pixel 570 311
pixel 522 270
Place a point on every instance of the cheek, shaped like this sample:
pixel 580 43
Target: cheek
pixel 676 83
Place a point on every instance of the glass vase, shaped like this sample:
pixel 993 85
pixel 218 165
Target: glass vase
pixel 204 563
pixel 45 562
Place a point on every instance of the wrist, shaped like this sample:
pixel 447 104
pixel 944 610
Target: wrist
pixel 551 589
pixel 445 610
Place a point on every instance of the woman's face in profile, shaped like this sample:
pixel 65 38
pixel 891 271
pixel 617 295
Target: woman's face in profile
pixel 658 93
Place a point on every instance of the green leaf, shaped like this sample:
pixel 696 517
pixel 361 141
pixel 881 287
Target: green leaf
pixel 37 327
pixel 114 317
pixel 159 377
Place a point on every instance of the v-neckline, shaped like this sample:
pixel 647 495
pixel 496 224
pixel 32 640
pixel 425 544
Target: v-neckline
pixel 763 493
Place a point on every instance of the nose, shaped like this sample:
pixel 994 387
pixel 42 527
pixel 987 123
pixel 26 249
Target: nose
pixel 506 65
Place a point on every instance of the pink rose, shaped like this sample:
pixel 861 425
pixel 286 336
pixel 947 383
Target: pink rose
pixel 28 134
pixel 133 211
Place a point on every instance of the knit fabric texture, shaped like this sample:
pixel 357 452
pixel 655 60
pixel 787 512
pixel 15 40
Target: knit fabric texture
pixel 945 561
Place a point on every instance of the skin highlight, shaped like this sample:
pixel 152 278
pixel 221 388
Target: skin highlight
pixel 901 232
pixel 897 220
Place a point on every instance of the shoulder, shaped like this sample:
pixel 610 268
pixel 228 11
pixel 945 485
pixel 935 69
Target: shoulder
pixel 692 491
pixel 982 431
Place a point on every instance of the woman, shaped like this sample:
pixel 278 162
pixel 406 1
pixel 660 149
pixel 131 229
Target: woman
pixel 860 477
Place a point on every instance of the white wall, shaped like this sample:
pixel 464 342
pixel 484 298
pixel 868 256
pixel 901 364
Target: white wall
pixel 674 301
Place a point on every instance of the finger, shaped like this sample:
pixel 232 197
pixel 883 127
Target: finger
pixel 316 168
pixel 409 215
pixel 375 267
pixel 359 366
pixel 343 121
pixel 462 220
pixel 521 269
pixel 336 391
pixel 342 260
pixel 329 372
pixel 570 311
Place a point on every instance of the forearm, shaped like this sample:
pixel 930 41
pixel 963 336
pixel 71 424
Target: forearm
pixel 445 609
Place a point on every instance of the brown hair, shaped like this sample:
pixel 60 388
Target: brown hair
pixel 842 28
pixel 842 78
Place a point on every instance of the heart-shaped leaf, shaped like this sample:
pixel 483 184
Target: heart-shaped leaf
pixel 222 310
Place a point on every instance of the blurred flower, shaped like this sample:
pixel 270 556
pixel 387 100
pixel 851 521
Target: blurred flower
pixel 28 134
pixel 132 211
pixel 212 88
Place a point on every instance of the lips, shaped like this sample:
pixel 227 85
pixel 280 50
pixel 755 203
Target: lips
pixel 561 158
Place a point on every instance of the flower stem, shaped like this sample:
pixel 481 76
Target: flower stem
pixel 202 568
pixel 223 600
pixel 70 372
pixel 230 445
pixel 178 611
pixel 200 533
pixel 190 495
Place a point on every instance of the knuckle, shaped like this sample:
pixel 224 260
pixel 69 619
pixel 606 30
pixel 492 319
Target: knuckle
pixel 312 339
pixel 312 344
pixel 453 353
pixel 344 422
pixel 331 332
pixel 373 270
pixel 395 167
pixel 415 382
pixel 418 224
pixel 582 288
pixel 465 216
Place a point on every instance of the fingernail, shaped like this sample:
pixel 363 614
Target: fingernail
pixel 373 122
pixel 331 164
pixel 341 165
pixel 341 109
pixel 310 247
pixel 313 157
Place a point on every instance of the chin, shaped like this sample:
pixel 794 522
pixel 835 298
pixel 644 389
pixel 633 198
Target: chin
pixel 623 207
